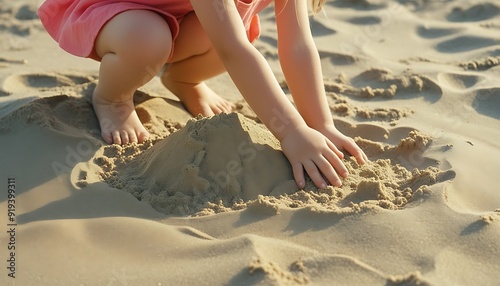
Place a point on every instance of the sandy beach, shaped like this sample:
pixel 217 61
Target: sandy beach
pixel 212 201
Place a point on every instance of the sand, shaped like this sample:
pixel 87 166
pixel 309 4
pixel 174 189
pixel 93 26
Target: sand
pixel 210 201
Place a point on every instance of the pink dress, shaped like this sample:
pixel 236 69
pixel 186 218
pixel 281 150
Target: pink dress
pixel 75 24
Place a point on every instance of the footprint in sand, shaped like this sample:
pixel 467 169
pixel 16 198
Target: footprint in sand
pixel 368 131
pixel 365 20
pixel 362 5
pixel 381 83
pixel 20 20
pixel 27 12
pixel 435 32
pixel 466 43
pixel 338 59
pixel 41 82
pixel 475 13
pixel 487 102
pixel 320 28
pixel 341 107
pixel 458 82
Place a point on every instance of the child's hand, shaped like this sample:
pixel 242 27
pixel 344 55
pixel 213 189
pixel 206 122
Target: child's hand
pixel 308 149
pixel 343 142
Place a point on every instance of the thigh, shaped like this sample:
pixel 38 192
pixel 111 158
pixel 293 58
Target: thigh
pixel 135 31
pixel 191 40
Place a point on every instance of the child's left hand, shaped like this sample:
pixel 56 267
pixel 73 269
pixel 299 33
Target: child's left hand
pixel 343 142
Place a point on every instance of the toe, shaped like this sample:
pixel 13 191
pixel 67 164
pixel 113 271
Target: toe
pixel 224 108
pixel 124 137
pixel 108 138
pixel 116 137
pixel 207 111
pixel 132 137
pixel 229 106
pixel 142 136
pixel 216 109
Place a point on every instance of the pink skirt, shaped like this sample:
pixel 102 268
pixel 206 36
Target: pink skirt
pixel 75 24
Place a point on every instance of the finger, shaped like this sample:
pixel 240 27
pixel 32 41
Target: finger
pixel 365 157
pixel 298 174
pixel 355 151
pixel 314 174
pixel 335 149
pixel 326 168
pixel 337 163
pixel 124 137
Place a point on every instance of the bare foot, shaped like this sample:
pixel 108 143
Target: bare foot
pixel 199 98
pixel 119 121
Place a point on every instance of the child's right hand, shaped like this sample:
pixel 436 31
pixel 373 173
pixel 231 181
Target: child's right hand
pixel 308 149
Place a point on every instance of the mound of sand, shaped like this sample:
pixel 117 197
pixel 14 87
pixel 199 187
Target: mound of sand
pixel 221 160
pixel 229 162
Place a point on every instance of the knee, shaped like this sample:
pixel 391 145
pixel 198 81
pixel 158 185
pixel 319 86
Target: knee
pixel 145 38
pixel 139 36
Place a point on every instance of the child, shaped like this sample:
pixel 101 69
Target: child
pixel 200 39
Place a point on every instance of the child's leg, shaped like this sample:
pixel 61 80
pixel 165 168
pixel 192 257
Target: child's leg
pixel 133 46
pixel 194 61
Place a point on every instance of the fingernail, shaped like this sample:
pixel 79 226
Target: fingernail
pixel 301 184
pixel 323 185
pixel 345 174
